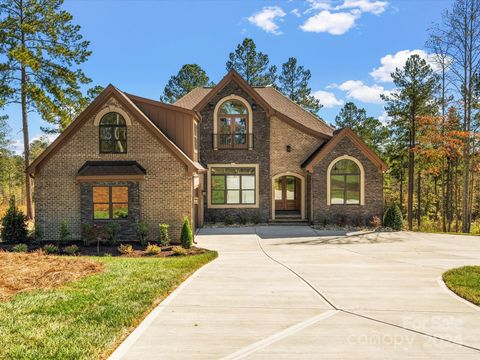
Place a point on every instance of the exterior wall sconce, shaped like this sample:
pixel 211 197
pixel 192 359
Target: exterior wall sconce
pixel 289 148
pixel 254 106
pixel 210 106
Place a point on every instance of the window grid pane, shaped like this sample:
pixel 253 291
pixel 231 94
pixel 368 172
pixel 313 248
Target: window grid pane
pixel 110 202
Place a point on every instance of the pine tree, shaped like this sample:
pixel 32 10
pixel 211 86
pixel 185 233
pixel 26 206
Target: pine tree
pixel 416 85
pixel 252 65
pixel 40 53
pixel 189 77
pixel 293 82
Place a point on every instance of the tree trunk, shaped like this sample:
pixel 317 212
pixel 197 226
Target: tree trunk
pixel 401 188
pixel 411 172
pixel 419 199
pixel 26 147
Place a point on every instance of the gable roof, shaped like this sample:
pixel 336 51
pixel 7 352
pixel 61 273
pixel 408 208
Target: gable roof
pixel 274 102
pixel 124 100
pixel 324 149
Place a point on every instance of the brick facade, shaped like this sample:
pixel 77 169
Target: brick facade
pixel 165 195
pixel 352 214
pixel 258 155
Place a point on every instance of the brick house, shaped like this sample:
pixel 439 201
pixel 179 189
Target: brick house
pixel 229 151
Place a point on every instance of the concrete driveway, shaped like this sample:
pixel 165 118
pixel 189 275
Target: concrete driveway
pixel 296 293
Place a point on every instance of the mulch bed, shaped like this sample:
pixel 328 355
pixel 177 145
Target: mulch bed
pixel 20 272
pixel 110 250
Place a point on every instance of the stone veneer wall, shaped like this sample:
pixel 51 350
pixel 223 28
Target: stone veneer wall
pixel 352 214
pixel 258 155
pixel 165 196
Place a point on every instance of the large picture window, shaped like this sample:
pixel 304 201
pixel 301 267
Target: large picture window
pixel 110 202
pixel 113 134
pixel 345 183
pixel 233 186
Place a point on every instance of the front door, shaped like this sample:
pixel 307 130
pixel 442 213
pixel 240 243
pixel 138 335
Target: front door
pixel 287 193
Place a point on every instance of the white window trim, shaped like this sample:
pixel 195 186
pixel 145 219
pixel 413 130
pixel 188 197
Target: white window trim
pixel 228 206
pixel 109 109
pixel 215 118
pixel 362 178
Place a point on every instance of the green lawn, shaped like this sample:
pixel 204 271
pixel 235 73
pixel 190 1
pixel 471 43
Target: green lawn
pixel 464 282
pixel 87 319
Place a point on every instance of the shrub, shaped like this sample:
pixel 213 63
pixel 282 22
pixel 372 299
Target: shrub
pixel 88 234
pixel 186 236
pixel 113 228
pixel 375 222
pixel 71 249
pixel 20 248
pixel 37 234
pixel 179 251
pixel 125 249
pixel 229 220
pixel 164 236
pixel 393 218
pixel 153 249
pixel 142 231
pixel 50 249
pixel 340 220
pixel 257 218
pixel 242 219
pixel 14 227
pixel 64 234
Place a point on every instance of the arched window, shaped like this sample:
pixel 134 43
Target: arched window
pixel 113 134
pixel 345 183
pixel 232 125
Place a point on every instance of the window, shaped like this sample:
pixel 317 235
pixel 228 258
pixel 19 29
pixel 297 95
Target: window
pixel 233 186
pixel 195 141
pixel 113 134
pixel 110 202
pixel 345 183
pixel 232 125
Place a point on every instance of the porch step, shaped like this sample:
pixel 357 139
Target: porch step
pixel 286 222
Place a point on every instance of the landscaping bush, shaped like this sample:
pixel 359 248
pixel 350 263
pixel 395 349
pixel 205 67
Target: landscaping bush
pixel 20 248
pixel 50 249
pixel 142 231
pixel 64 234
pixel 242 219
pixel 125 249
pixel 164 236
pixel 179 251
pixel 257 218
pixel 229 220
pixel 88 234
pixel 186 236
pixel 153 249
pixel 113 229
pixel 393 218
pixel 14 226
pixel 71 249
pixel 37 234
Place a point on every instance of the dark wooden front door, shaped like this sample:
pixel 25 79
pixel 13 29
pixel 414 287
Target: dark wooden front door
pixel 287 193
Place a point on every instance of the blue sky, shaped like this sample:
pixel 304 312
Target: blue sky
pixel 350 46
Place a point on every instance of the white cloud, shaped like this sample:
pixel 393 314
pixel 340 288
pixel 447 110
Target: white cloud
pixel 390 62
pixel 365 6
pixel 384 118
pixel 296 12
pixel 333 23
pixel 357 90
pixel 327 98
pixel 265 19
pixel 319 5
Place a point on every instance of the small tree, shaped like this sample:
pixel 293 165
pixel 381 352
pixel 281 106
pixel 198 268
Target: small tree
pixel 64 234
pixel 113 228
pixel 142 232
pixel 186 237
pixel 14 227
pixel 393 218
pixel 88 234
pixel 164 236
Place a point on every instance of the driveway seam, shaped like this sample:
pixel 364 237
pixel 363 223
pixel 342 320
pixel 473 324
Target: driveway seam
pixel 356 314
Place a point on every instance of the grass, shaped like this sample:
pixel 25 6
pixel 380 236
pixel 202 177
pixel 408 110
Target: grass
pixel 88 318
pixel 465 282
